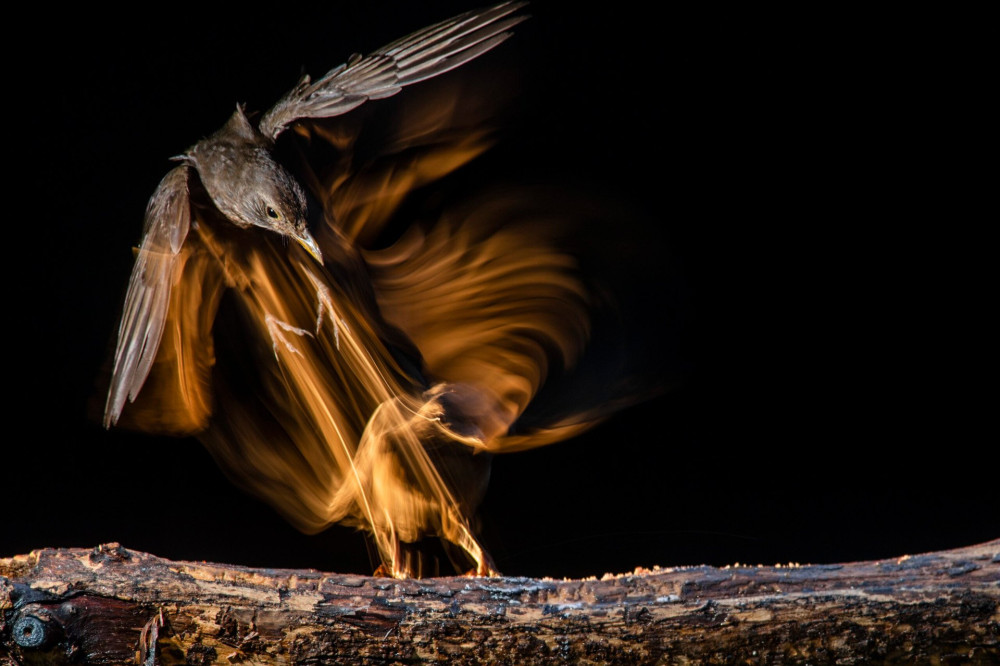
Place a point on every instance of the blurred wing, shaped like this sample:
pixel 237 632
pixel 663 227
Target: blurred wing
pixel 490 303
pixel 375 166
pixel 422 55
pixel 168 220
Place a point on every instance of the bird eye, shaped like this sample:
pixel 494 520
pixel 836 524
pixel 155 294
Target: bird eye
pixel 271 213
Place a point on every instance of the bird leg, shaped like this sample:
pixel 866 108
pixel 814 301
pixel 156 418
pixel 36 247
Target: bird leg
pixel 484 563
pixel 407 561
pixel 324 303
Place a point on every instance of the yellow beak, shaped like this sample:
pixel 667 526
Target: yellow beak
pixel 309 243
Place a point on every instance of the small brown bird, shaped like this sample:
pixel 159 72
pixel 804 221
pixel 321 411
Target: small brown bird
pixel 249 187
pixel 367 387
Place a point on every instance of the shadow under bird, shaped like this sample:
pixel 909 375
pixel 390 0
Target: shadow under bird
pixel 337 382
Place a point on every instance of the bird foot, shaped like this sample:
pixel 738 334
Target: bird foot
pixel 276 329
pixel 482 571
pixel 386 571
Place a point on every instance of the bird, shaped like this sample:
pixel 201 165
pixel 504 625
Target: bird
pixel 338 382
pixel 250 188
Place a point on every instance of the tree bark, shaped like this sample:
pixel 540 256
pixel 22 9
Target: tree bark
pixel 111 605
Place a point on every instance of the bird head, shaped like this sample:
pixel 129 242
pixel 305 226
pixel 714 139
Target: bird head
pixel 248 185
pixel 274 200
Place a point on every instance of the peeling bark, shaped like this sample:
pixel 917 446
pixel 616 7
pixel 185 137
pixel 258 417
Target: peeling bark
pixel 111 605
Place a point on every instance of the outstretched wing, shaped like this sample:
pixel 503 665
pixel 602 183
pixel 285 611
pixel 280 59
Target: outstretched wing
pixel 168 219
pixel 422 55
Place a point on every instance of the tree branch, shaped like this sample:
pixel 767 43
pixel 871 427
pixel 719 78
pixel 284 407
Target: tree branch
pixel 113 605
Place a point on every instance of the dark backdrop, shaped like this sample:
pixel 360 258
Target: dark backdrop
pixel 805 263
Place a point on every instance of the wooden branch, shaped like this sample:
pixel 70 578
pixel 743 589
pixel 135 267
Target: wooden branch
pixel 110 605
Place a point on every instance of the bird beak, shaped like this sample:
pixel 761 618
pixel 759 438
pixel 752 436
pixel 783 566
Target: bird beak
pixel 309 243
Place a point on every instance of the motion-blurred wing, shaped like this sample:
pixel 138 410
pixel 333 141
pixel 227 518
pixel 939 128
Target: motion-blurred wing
pixel 168 220
pixel 375 167
pixel 491 303
pixel 422 55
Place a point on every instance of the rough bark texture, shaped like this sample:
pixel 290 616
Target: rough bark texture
pixel 110 605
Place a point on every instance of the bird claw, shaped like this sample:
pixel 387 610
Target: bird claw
pixel 387 571
pixel 276 328
pixel 482 570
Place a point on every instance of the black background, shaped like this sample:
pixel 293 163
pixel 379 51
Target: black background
pixel 806 258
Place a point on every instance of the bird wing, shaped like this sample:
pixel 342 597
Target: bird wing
pixel 168 219
pixel 419 56
pixel 490 302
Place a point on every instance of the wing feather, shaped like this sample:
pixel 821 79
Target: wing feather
pixel 424 54
pixel 168 220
